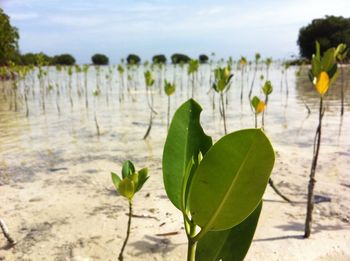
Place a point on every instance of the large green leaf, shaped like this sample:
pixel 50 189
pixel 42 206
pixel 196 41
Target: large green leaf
pixel 231 179
pixel 229 245
pixel 185 140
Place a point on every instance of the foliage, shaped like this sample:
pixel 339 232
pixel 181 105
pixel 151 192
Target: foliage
pixel 223 78
pixel 8 40
pixel 179 58
pixel 130 181
pixel 169 88
pixel 203 58
pixel 148 79
pixel 133 59
pixel 99 59
pixel 63 59
pixel 323 70
pixel 159 58
pixel 206 183
pixel 258 105
pixel 329 32
pixel 193 66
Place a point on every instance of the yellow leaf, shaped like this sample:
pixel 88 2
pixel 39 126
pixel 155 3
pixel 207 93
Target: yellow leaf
pixel 260 107
pixel 322 83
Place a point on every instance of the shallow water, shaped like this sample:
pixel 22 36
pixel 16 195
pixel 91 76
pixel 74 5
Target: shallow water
pixel 55 157
pixel 52 139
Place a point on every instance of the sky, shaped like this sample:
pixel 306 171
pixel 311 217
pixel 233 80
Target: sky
pixel 147 27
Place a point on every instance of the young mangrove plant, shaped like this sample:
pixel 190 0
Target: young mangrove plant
pixel 242 63
pixel 85 71
pixel 341 54
pixel 169 90
pixel 267 90
pixel 258 106
pixel 221 85
pixel 256 63
pixel 192 71
pixel 96 93
pixel 268 63
pixel 206 183
pixel 323 73
pixel 149 81
pixel 128 185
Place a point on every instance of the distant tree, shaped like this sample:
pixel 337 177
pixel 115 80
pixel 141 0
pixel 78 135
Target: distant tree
pixel 133 59
pixel 180 58
pixel 34 58
pixel 329 32
pixel 99 59
pixel 63 59
pixel 8 40
pixel 160 58
pixel 203 58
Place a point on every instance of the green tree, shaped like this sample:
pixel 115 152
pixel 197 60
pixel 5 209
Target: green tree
pixel 160 58
pixel 64 59
pixel 203 58
pixel 8 40
pixel 329 32
pixel 177 58
pixel 133 59
pixel 99 59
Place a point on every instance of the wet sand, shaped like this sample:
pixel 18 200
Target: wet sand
pixel 58 200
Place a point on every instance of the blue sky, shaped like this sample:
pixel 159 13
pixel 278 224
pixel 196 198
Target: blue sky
pixel 147 27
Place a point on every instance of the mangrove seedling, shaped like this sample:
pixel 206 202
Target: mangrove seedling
pixel 169 90
pixel 149 81
pixel 256 63
pixel 206 183
pixel 85 70
pixel 96 93
pixel 221 85
pixel 192 70
pixel 341 54
pixel 258 106
pixel 242 63
pixel 322 74
pixel 267 90
pixel 127 186
pixel 268 63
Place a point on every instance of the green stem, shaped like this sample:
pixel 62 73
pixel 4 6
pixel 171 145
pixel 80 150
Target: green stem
pixel 121 258
pixel 223 111
pixel 192 244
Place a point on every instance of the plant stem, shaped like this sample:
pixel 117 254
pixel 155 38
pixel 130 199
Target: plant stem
pixel 272 185
pixel 121 258
pixel 223 110
pixel 312 181
pixel 256 120
pixel 342 91
pixel 192 244
pixel 6 233
pixel 168 114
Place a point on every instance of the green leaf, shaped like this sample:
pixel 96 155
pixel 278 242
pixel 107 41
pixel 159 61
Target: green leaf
pixel 327 60
pixel 142 178
pixel 232 244
pixel 126 188
pixel 128 169
pixel 267 88
pixel 185 140
pixel 255 101
pixel 115 180
pixel 231 179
